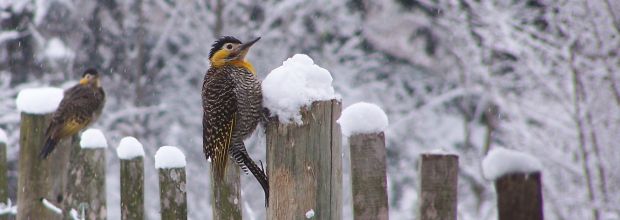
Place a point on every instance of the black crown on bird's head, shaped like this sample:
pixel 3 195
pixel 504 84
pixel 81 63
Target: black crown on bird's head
pixel 219 43
pixel 91 71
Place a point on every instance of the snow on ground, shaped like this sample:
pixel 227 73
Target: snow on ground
pixel 295 84
pixel 93 138
pixel 502 161
pixel 169 157
pixel 39 100
pixel 56 49
pixel 51 206
pixel 3 136
pixel 129 148
pixel 362 118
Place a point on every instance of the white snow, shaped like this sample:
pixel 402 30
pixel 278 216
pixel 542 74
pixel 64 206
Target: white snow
pixel 56 49
pixel 169 157
pixel 129 148
pixel 51 207
pixel 362 118
pixel 8 35
pixel 502 161
pixel 8 208
pixel 310 214
pixel 3 136
pixel 295 84
pixel 39 100
pixel 93 138
pixel 440 151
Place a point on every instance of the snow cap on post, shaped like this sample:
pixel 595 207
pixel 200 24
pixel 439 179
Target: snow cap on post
pixel 39 101
pixel 3 136
pixel 169 157
pixel 93 138
pixel 129 148
pixel 295 84
pixel 501 161
pixel 362 118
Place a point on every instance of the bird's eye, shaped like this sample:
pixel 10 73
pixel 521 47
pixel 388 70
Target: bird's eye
pixel 229 46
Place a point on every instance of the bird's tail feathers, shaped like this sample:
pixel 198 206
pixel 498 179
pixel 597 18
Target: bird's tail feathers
pixel 50 144
pixel 246 163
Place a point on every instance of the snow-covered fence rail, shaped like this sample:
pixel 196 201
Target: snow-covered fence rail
pixel 305 164
pixel 39 178
pixel 131 153
pixel 86 191
pixel 517 183
pixel 4 187
pixel 363 124
pixel 170 162
pixel 438 186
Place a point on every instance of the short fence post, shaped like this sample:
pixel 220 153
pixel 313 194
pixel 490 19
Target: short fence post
pixel 305 165
pixel 4 187
pixel 170 162
pixel 40 178
pixel 438 187
pixel 87 175
pixel 368 176
pixel 226 193
pixel 519 196
pixel 131 154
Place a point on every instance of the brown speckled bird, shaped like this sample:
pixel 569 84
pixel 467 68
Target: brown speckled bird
pixel 232 102
pixel 80 106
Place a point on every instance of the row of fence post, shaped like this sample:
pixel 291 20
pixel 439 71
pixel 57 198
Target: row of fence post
pixel 305 175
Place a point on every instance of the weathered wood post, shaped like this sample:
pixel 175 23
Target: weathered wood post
pixel 170 162
pixel 39 178
pixel 4 186
pixel 438 186
pixel 226 193
pixel 364 123
pixel 131 153
pixel 87 174
pixel 517 183
pixel 305 164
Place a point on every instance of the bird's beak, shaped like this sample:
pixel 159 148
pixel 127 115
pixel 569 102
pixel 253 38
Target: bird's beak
pixel 240 52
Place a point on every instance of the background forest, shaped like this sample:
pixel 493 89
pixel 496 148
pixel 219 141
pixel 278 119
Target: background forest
pixel 539 76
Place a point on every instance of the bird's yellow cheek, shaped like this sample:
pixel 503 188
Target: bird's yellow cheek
pixel 219 58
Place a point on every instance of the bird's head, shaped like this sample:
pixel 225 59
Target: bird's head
pixel 229 50
pixel 90 76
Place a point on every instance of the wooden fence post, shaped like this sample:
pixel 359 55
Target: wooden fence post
pixel 170 162
pixel 226 194
pixel 4 186
pixel 519 196
pixel 40 178
pixel 131 153
pixel 368 176
pixel 87 175
pixel 305 165
pixel 438 187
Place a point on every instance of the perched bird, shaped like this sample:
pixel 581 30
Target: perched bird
pixel 80 106
pixel 232 104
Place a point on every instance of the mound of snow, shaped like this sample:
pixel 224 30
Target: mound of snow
pixel 3 136
pixel 310 214
pixel 169 157
pixel 362 118
pixel 56 49
pixel 501 161
pixel 93 138
pixel 295 84
pixel 39 100
pixel 129 148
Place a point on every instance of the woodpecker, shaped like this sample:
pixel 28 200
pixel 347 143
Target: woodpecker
pixel 80 107
pixel 232 104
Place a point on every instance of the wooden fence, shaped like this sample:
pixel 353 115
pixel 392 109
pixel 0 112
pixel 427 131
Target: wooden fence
pixel 304 169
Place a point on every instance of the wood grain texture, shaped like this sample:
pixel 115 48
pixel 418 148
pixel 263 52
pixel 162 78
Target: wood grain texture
pixel 40 178
pixel 305 164
pixel 438 187
pixel 368 176
pixel 519 196
pixel 173 194
pixel 132 189
pixel 226 194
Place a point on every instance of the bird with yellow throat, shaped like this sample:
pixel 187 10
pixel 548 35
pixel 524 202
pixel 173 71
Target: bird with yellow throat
pixel 232 108
pixel 80 107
